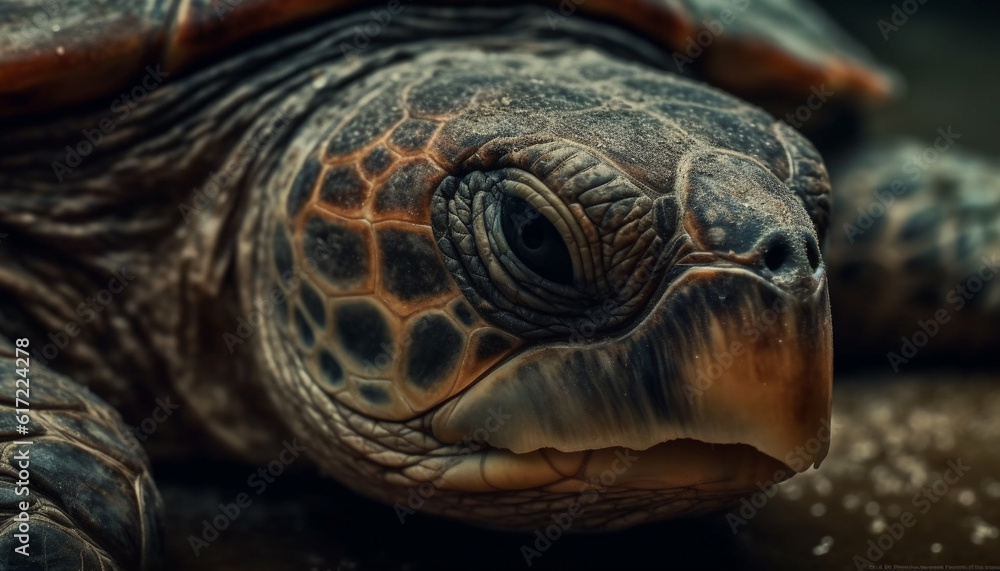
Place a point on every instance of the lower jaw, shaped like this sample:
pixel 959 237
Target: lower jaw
pixel 601 490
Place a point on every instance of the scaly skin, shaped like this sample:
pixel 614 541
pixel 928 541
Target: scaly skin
pixel 90 497
pixel 708 216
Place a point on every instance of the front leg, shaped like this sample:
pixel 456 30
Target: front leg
pixel 75 487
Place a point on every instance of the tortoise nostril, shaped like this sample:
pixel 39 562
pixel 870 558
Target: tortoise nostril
pixel 812 253
pixel 790 258
pixel 777 255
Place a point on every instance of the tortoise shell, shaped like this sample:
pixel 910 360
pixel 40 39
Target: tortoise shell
pixel 52 55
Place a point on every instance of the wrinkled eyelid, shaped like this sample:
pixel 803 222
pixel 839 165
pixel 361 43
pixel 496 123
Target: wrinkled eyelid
pixel 527 187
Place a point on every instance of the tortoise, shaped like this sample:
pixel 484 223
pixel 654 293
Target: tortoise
pixel 511 264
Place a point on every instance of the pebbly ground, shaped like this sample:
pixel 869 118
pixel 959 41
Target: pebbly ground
pixel 892 439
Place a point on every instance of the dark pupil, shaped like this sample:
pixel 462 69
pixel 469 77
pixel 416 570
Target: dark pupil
pixel 535 241
pixel 533 234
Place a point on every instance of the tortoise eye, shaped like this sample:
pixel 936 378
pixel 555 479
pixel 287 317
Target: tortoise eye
pixel 535 241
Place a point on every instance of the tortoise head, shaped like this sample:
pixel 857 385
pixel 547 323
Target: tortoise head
pixel 516 278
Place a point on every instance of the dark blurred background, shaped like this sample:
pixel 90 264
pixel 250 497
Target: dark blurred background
pixel 946 53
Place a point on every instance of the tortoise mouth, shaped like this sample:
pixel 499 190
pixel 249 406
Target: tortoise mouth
pixel 702 467
pixel 723 358
pixel 607 489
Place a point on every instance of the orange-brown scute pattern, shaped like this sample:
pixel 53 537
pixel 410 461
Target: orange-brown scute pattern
pixel 396 337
